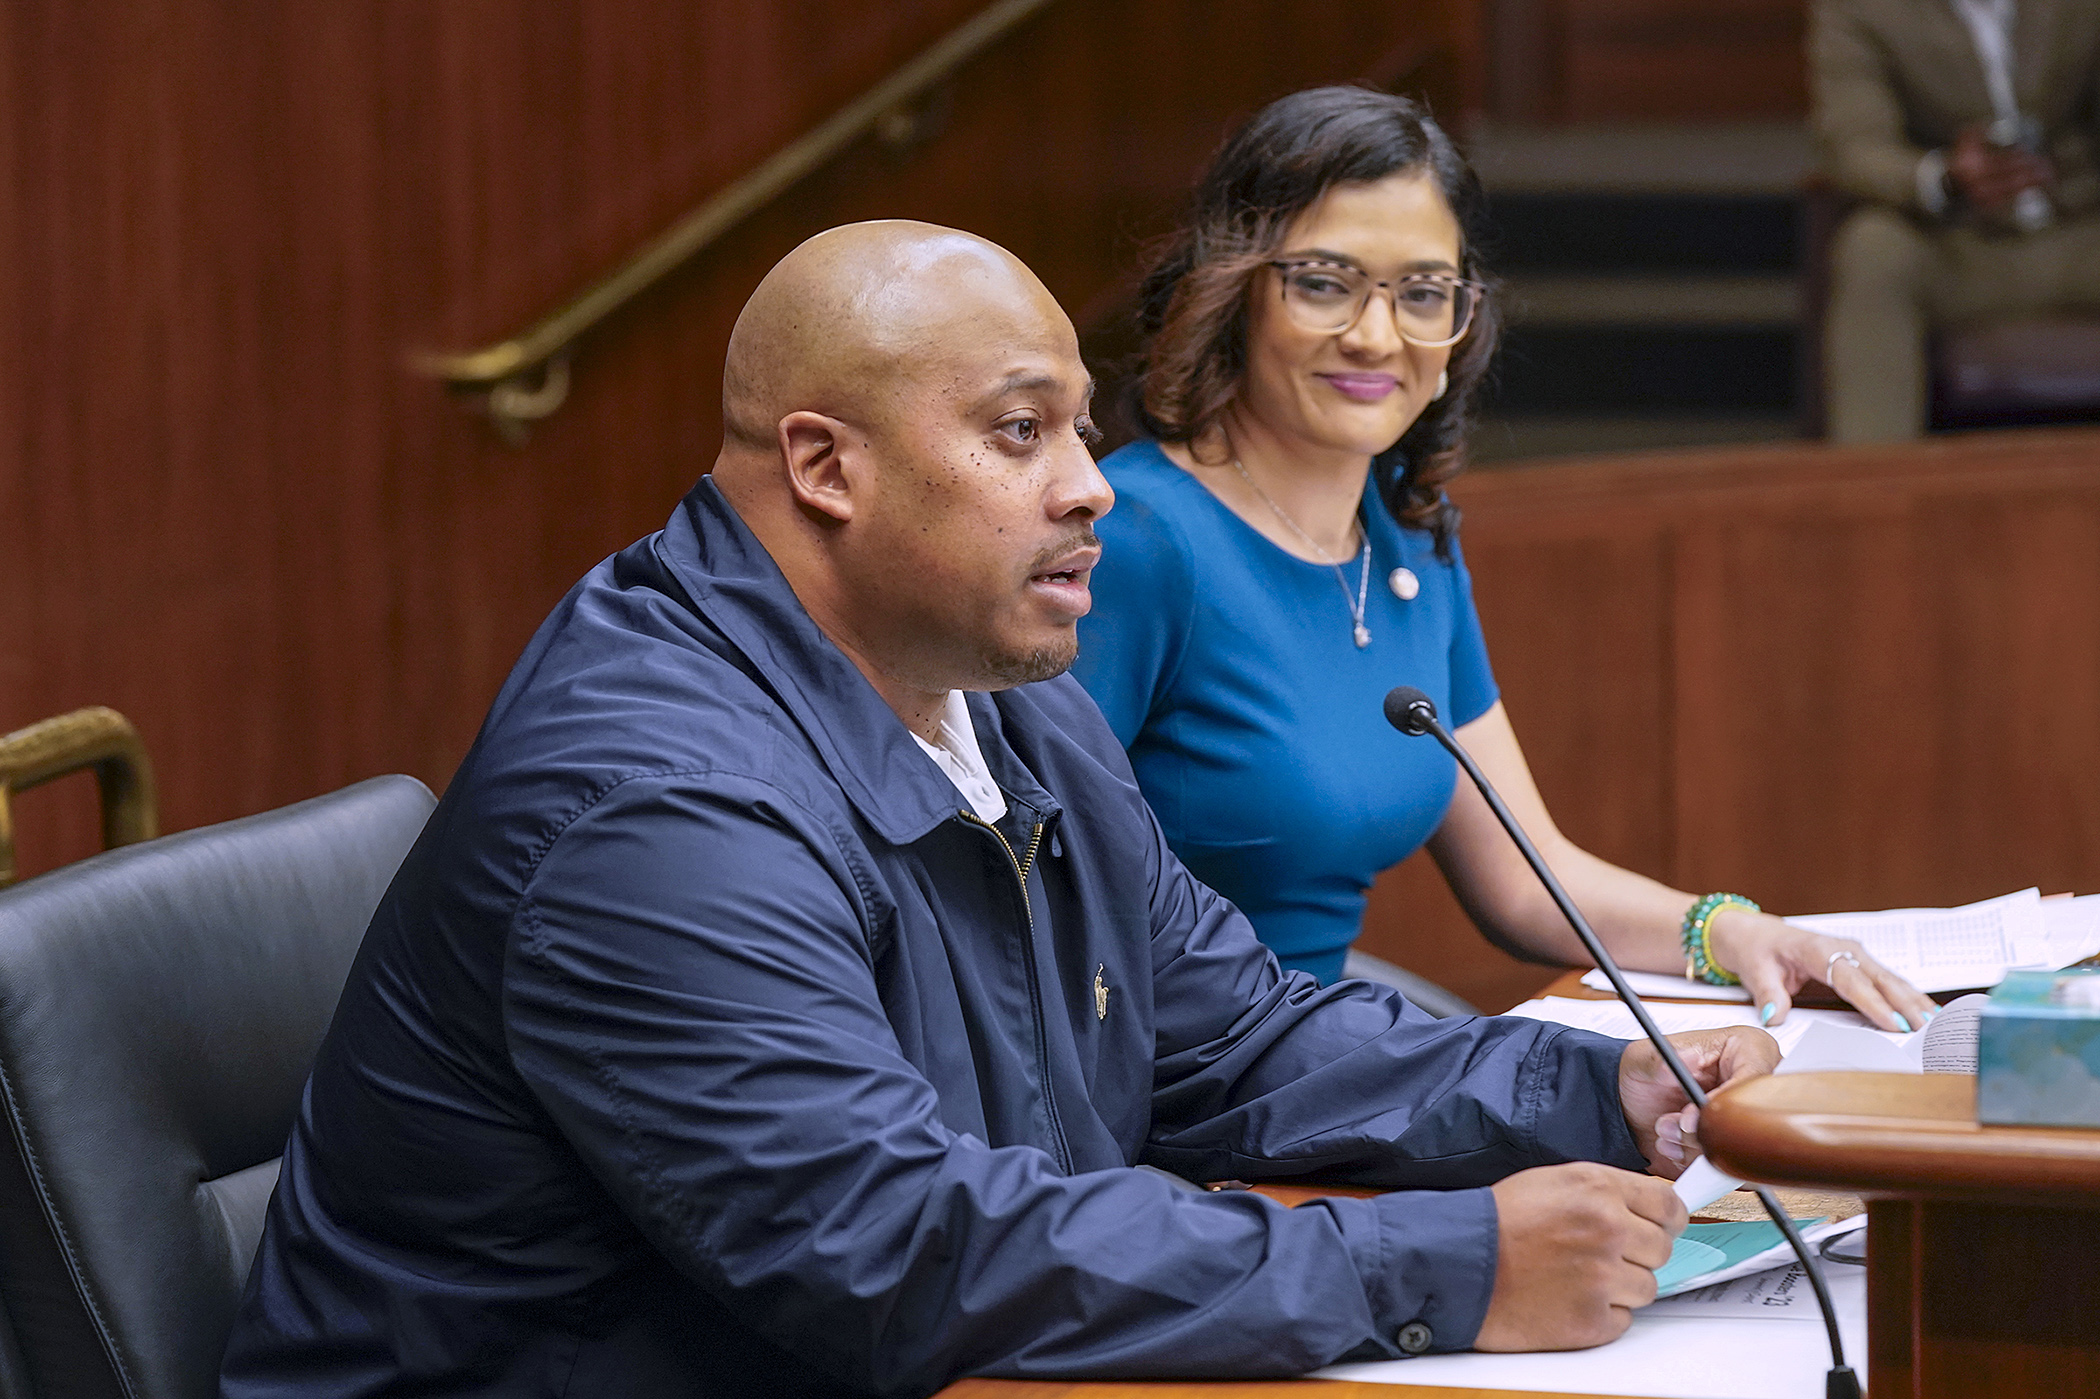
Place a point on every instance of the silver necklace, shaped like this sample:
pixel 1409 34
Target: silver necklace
pixel 1359 631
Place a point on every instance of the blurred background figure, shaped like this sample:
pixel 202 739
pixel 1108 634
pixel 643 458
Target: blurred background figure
pixel 1968 130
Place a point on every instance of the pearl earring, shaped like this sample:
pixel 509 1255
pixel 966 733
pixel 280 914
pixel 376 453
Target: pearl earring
pixel 1443 382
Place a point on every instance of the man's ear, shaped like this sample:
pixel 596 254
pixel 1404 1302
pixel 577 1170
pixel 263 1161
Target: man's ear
pixel 815 449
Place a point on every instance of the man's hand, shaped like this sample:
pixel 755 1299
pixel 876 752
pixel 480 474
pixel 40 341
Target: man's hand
pixel 1990 177
pixel 1579 1245
pixel 1664 1122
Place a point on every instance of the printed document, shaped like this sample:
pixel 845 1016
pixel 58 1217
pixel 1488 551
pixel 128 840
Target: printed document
pixel 1935 949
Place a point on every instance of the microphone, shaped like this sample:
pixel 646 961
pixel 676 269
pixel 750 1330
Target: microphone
pixel 1414 714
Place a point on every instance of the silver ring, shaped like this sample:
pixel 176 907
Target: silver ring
pixel 1836 957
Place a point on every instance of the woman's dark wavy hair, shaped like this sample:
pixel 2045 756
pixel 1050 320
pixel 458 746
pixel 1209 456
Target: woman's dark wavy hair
pixel 1192 306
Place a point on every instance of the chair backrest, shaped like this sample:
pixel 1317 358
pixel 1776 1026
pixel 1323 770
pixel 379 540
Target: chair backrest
pixel 160 1008
pixel 2039 370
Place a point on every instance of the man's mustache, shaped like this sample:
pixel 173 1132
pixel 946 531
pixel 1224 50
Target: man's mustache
pixel 1085 539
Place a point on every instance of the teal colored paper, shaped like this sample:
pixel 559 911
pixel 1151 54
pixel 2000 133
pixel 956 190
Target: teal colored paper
pixel 1708 1248
pixel 1689 1259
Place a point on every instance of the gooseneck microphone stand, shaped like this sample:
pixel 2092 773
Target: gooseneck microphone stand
pixel 1414 714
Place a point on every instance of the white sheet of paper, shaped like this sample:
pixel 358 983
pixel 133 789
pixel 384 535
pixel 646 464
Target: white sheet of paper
pixel 1647 984
pixel 1824 1046
pixel 1844 1039
pixel 2070 929
pixel 1612 1018
pixel 1947 949
pixel 1665 1355
pixel 1701 1184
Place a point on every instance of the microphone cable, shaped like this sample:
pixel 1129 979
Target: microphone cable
pixel 1414 714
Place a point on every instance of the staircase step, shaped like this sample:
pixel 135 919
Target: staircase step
pixel 1753 299
pixel 1651 292
pixel 1616 369
pixel 1589 234
pixel 1724 158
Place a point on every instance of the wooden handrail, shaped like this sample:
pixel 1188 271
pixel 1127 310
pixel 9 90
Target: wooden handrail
pixel 96 738
pixel 527 376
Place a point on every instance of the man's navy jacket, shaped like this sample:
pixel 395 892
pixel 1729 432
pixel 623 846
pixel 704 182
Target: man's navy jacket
pixel 706 1044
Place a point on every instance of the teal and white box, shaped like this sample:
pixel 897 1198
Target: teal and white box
pixel 2038 1051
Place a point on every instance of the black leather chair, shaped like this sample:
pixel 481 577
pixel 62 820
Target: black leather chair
pixel 160 1006
pixel 2044 370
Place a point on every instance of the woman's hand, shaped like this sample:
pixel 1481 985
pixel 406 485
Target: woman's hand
pixel 1774 959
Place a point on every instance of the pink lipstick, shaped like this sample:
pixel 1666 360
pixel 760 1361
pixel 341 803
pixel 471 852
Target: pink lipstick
pixel 1364 388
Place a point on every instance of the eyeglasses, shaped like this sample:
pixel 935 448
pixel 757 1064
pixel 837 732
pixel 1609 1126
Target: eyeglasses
pixel 1431 309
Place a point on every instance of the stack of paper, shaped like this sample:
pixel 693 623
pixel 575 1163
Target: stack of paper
pixel 1774 1294
pixel 1708 1255
pixel 1936 949
pixel 1947 949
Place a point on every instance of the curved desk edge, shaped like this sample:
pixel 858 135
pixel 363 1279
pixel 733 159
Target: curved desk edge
pixel 1892 1134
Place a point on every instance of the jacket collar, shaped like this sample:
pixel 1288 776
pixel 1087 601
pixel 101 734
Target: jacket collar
pixel 734 583
pixel 989 717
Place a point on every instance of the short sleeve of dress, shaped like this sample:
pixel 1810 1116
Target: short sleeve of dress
pixel 1131 644
pixel 1473 688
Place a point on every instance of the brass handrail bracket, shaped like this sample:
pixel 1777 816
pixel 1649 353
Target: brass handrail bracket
pixel 527 376
pixel 96 738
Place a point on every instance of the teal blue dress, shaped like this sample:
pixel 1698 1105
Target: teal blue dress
pixel 1228 669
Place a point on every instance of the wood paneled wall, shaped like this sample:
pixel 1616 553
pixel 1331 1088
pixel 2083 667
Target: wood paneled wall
pixel 1648 60
pixel 228 507
pixel 1828 678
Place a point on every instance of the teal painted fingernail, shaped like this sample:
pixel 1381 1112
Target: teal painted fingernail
pixel 1932 1015
pixel 1901 1023
pixel 1764 1017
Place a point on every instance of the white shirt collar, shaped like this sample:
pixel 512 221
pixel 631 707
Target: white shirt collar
pixel 962 760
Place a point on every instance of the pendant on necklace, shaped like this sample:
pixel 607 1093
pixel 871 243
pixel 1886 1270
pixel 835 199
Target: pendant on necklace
pixel 1363 636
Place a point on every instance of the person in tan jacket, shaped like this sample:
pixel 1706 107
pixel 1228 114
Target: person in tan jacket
pixel 1970 130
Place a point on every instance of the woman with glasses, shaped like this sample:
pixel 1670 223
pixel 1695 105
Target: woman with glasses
pixel 1282 553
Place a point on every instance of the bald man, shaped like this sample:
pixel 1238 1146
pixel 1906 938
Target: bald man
pixel 792 987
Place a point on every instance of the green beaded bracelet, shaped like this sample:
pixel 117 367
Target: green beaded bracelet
pixel 1699 963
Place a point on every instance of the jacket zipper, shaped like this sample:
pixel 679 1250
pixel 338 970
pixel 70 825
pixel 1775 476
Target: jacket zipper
pixel 1021 865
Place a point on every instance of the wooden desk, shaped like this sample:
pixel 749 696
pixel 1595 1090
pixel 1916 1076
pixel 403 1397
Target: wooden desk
pixel 1981 1241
